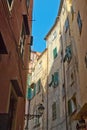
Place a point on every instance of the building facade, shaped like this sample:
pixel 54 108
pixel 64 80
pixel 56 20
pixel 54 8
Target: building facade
pixel 72 99
pixel 33 60
pixel 38 93
pixel 65 101
pixel 15 44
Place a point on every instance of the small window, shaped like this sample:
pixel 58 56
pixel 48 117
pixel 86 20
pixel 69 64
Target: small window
pixel 79 21
pixel 66 25
pixel 22 41
pixel 54 35
pixel 27 3
pixel 29 93
pixel 72 12
pixel 55 53
pixel 36 119
pixel 68 54
pixel 56 79
pixel 63 91
pixel 72 105
pixel 38 86
pixel 3 49
pixel 54 111
pixel 10 2
pixel 28 80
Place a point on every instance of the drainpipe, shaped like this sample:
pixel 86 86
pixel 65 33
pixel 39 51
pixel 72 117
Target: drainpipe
pixel 27 118
pixel 64 74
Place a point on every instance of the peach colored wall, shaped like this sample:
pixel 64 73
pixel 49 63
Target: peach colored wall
pixel 11 65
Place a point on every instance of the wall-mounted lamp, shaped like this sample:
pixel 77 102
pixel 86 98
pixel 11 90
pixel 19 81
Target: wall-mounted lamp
pixel 40 113
pixel 31 116
pixel 81 124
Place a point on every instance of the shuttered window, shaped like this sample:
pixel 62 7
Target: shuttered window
pixel 55 53
pixel 28 80
pixel 22 41
pixel 54 111
pixel 10 2
pixel 79 21
pixel 72 105
pixel 66 25
pixel 38 85
pixel 29 93
pixel 56 78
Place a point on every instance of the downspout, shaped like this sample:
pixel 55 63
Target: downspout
pixel 64 74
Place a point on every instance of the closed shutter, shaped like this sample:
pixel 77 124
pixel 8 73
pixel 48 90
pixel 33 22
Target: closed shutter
pixel 29 93
pixel 56 78
pixel 55 53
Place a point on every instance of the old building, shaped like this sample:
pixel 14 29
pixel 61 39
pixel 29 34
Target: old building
pixel 77 20
pixel 38 93
pixel 33 60
pixel 15 44
pixel 55 76
pixel 65 101
pixel 71 95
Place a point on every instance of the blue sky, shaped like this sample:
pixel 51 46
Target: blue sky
pixel 44 15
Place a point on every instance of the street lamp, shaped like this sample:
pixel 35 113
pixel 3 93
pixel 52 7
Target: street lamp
pixel 31 116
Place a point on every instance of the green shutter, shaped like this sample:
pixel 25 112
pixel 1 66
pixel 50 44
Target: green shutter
pixel 56 78
pixel 55 53
pixel 69 107
pixel 29 93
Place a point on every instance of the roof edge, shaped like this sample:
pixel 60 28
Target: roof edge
pixel 57 18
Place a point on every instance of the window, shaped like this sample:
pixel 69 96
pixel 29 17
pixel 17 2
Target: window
pixel 72 12
pixel 12 109
pixel 79 21
pixel 63 91
pixel 36 119
pixel 3 49
pixel 22 41
pixel 54 111
pixel 38 85
pixel 28 79
pixel 55 80
pixel 68 54
pixel 54 35
pixel 55 53
pixel 25 20
pixel 10 2
pixel 72 105
pixel 66 25
pixel 29 93
pixel 27 3
pixel 40 64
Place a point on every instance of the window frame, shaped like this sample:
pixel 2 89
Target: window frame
pixel 54 111
pixel 79 22
pixel 10 4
